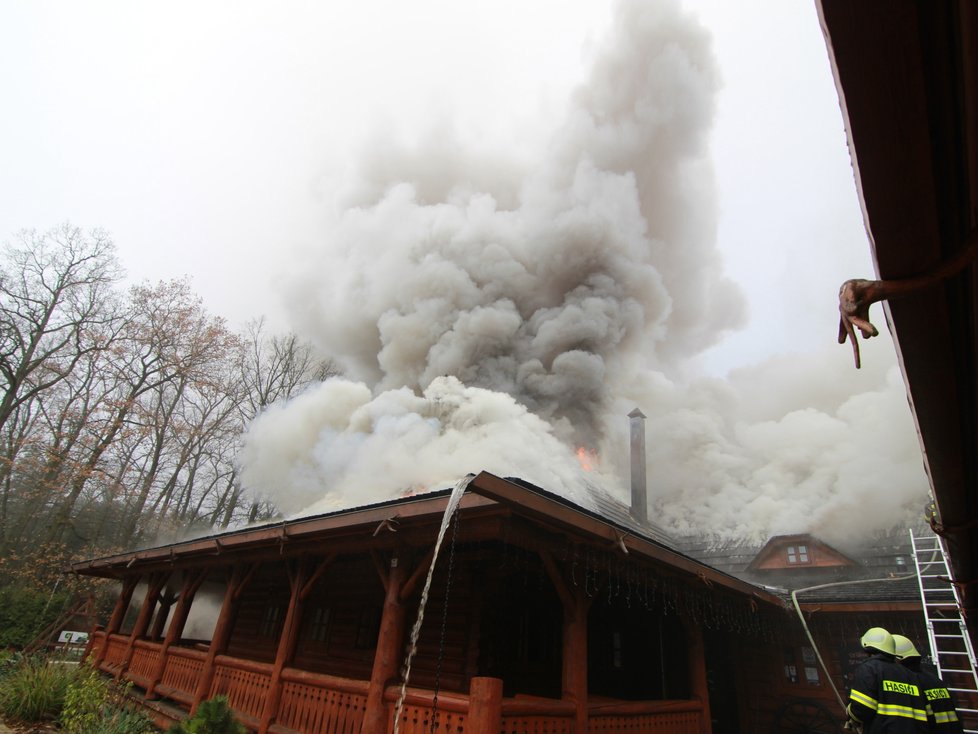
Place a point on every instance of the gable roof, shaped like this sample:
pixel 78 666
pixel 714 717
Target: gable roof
pixel 820 554
pixel 486 495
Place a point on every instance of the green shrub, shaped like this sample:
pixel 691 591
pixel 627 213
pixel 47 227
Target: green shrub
pixel 25 612
pixel 123 721
pixel 95 705
pixel 212 717
pixel 34 690
pixel 85 700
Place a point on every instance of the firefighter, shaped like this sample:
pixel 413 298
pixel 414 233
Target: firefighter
pixel 940 701
pixel 885 697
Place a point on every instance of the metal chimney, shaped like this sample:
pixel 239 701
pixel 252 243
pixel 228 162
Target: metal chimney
pixel 639 509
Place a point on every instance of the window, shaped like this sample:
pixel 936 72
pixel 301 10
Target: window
pixel 269 621
pixel 797 554
pixel 319 624
pixel 368 626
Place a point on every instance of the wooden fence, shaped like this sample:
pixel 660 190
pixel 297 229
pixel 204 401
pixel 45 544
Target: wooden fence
pixel 313 703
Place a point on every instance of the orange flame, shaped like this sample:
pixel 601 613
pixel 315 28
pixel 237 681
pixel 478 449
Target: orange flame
pixel 586 458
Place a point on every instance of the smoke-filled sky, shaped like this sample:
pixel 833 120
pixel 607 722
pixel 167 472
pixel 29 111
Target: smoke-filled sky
pixel 511 223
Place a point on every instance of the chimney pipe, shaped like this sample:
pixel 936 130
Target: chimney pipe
pixel 639 508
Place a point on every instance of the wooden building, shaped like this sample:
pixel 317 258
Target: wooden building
pixel 542 616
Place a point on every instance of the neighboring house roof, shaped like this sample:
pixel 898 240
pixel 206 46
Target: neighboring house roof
pixel 877 574
pixel 805 550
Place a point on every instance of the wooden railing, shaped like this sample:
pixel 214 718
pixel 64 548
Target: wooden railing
pixel 537 716
pixel 668 717
pixel 183 668
pixel 115 653
pixel 450 715
pixel 145 661
pixel 245 683
pixel 313 703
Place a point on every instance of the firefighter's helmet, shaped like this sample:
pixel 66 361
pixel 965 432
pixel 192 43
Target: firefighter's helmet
pixel 877 638
pixel 904 648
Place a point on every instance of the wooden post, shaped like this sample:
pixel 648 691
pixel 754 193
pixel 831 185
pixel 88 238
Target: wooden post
pixel 574 675
pixel 485 706
pixel 698 682
pixel 155 585
pixel 286 644
pixel 175 630
pixel 118 614
pixel 390 643
pixel 574 672
pixel 222 631
pixel 159 622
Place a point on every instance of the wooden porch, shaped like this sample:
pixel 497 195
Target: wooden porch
pixel 314 703
pixel 546 620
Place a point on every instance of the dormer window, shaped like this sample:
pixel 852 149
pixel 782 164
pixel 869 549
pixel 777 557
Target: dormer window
pixel 797 554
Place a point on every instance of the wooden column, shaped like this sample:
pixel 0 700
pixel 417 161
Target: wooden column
pixel 390 645
pixel 485 706
pixel 240 576
pixel 118 614
pixel 155 585
pixel 574 677
pixel 286 642
pixel 175 630
pixel 574 659
pixel 159 622
pixel 698 682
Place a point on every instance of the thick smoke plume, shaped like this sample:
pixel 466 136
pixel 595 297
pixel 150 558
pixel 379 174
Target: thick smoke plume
pixel 497 311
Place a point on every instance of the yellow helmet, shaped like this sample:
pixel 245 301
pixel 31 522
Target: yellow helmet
pixel 904 648
pixel 877 638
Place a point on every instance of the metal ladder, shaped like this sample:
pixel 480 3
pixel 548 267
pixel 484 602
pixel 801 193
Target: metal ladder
pixel 950 646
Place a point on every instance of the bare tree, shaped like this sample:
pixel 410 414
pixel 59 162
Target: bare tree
pixel 53 291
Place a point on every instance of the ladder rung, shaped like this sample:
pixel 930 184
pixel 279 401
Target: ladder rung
pixel 952 652
pixel 950 637
pixel 956 670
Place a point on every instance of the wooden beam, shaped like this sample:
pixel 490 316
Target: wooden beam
pixel 155 583
pixel 698 683
pixel 390 644
pixel 129 585
pixel 286 643
pixel 316 575
pixel 574 668
pixel 420 572
pixel 566 597
pixel 240 575
pixel 485 706
pixel 175 629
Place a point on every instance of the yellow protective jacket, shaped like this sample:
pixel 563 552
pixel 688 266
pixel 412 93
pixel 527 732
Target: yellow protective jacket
pixel 887 698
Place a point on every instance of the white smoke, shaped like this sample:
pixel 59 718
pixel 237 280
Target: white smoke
pixel 795 444
pixel 496 311
pixel 339 445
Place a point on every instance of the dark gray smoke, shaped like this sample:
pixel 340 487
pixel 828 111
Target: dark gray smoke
pixel 498 311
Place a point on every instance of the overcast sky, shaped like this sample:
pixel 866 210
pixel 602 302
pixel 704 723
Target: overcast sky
pixel 226 141
pixel 205 137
